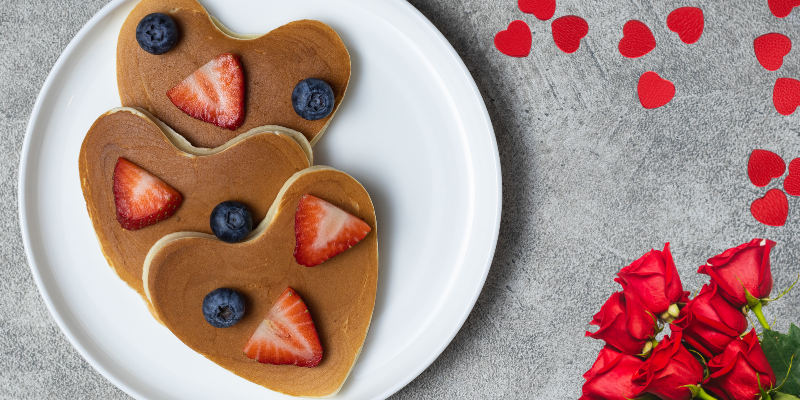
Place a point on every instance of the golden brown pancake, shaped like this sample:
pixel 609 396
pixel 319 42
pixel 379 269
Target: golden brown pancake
pixel 340 293
pixel 273 64
pixel 251 169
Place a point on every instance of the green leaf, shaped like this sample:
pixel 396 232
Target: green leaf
pixel 783 396
pixel 794 332
pixel 780 349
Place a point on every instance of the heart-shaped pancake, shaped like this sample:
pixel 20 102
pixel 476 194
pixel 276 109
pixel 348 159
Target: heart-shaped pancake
pixel 340 293
pixel 251 169
pixel 273 64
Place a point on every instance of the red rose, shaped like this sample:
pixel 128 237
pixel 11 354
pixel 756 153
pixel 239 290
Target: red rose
pixel 654 279
pixel 733 373
pixel 624 325
pixel 668 370
pixel 610 376
pixel 742 267
pixel 709 322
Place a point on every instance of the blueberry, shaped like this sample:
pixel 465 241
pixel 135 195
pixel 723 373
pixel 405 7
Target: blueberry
pixel 157 33
pixel 231 221
pixel 313 99
pixel 223 307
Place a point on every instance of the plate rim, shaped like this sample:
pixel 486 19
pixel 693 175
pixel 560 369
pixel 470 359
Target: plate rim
pixel 23 187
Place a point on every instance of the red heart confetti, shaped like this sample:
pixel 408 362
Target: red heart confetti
pixel 792 182
pixel 770 50
pixel 654 91
pixel 764 166
pixel 687 22
pixel 568 32
pixel 772 209
pixel 516 40
pixel 637 39
pixel 782 8
pixel 786 95
pixel 542 9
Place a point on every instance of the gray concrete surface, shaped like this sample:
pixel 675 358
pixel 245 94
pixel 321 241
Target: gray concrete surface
pixel 591 181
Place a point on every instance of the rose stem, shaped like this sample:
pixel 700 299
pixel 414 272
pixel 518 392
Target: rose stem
pixel 703 395
pixel 760 315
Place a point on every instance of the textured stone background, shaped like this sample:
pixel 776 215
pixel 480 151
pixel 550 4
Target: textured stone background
pixel 591 181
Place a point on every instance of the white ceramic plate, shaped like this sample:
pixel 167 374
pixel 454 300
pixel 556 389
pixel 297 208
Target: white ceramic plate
pixel 412 129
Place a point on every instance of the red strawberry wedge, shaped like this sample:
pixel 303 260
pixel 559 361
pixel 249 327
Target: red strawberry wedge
pixel 214 93
pixel 141 198
pixel 287 335
pixel 323 230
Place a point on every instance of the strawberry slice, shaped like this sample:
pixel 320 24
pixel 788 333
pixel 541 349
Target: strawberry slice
pixel 287 335
pixel 322 230
pixel 141 198
pixel 214 93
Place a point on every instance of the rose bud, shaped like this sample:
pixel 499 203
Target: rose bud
pixel 625 325
pixel 709 322
pixel 669 370
pixel 742 268
pixel 654 279
pixel 733 373
pixel 610 376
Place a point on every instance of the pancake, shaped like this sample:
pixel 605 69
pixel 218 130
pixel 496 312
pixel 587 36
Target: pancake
pixel 340 293
pixel 251 169
pixel 273 64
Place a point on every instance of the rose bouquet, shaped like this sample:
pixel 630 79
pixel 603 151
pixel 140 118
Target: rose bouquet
pixel 709 353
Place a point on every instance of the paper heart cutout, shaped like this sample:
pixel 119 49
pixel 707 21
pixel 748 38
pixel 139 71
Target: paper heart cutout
pixel 273 64
pixel 568 32
pixel 764 166
pixel 541 9
pixel 786 95
pixel 250 169
pixel 772 209
pixel 792 182
pixel 782 8
pixel 637 39
pixel 770 50
pixel 340 293
pixel 654 91
pixel 515 41
pixel 687 22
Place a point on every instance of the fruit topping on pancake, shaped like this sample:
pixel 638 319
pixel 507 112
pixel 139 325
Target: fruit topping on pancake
pixel 287 335
pixel 323 230
pixel 231 221
pixel 223 307
pixel 313 99
pixel 157 33
pixel 214 93
pixel 141 198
